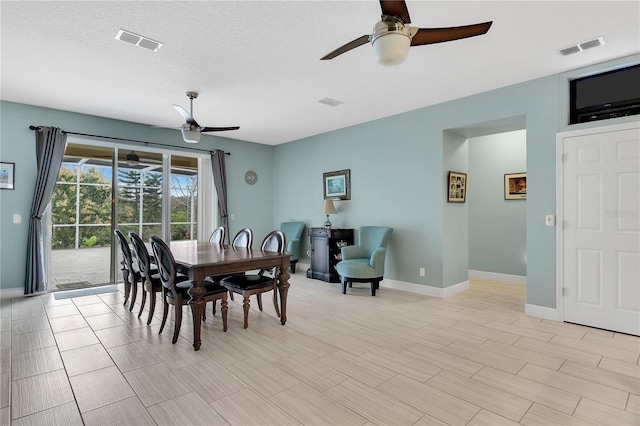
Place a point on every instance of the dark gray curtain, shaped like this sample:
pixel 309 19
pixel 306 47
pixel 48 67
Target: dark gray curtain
pixel 50 143
pixel 220 181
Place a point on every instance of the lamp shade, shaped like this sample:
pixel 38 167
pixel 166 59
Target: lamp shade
pixel 327 207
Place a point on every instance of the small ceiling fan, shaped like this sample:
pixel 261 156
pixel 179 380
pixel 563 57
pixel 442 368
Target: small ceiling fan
pixel 191 130
pixel 134 159
pixel 392 36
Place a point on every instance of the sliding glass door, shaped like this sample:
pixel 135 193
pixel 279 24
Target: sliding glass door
pixel 100 189
pixel 184 198
pixel 140 189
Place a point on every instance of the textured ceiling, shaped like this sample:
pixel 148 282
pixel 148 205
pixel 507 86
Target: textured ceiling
pixel 256 64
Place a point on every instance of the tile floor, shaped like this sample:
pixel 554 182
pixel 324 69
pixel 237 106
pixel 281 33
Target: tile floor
pixel 397 358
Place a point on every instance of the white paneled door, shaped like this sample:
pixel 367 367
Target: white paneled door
pixel 599 236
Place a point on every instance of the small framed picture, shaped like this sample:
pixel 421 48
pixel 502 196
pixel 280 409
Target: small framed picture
pixel 7 175
pixel 337 185
pixel 457 187
pixel 515 186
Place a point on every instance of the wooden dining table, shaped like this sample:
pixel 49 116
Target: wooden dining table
pixel 200 259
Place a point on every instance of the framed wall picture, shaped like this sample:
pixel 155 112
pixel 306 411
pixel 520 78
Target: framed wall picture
pixel 457 187
pixel 337 185
pixel 7 175
pixel 515 186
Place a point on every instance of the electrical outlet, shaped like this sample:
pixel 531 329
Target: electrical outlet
pixel 422 272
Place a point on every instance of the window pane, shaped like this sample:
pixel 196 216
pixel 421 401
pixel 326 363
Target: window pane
pixel 95 174
pixel 125 229
pixel 152 201
pixel 149 231
pixel 63 204
pixel 184 202
pixel 128 204
pixel 95 204
pixel 95 236
pixel 67 172
pixel 128 177
pixel 64 237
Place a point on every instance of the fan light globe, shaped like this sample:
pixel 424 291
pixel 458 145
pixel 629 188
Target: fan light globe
pixel 391 48
pixel 191 136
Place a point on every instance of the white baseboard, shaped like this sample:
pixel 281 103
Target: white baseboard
pixel 11 293
pixel 542 312
pixel 426 290
pixel 302 267
pixel 496 276
pixel 455 289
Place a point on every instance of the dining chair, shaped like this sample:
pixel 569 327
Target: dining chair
pixel 217 236
pixel 176 293
pixel 150 278
pixel 247 285
pixel 364 262
pixel 243 239
pixel 130 274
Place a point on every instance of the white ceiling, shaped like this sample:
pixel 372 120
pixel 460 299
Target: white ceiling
pixel 256 64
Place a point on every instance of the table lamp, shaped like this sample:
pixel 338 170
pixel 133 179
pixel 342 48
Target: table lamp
pixel 327 208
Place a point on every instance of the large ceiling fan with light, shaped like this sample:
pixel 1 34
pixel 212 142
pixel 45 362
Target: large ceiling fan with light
pixel 392 36
pixel 191 130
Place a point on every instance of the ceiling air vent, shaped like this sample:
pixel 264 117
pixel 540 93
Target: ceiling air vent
pixel 582 46
pixel 138 40
pixel 591 44
pixel 570 50
pixel 330 102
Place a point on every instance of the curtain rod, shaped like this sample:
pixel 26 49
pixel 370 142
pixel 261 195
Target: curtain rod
pixel 134 140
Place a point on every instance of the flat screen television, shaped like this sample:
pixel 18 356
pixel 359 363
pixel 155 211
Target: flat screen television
pixel 607 95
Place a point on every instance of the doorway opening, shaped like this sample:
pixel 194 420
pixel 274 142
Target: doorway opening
pixel 485 237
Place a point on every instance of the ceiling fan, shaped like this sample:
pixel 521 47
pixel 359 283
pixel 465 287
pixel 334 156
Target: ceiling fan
pixel 191 130
pixel 134 159
pixel 392 37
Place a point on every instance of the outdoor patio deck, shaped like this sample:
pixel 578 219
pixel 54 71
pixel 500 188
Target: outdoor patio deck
pixel 71 268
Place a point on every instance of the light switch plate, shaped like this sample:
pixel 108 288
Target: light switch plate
pixel 17 218
pixel 549 220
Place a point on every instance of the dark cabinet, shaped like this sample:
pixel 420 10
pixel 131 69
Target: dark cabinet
pixel 325 252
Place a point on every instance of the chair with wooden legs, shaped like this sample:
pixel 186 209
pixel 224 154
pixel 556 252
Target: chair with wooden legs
pixel 130 274
pixel 247 285
pixel 244 238
pixel 150 279
pixel 176 293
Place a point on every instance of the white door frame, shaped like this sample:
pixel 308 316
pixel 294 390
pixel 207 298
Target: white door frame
pixel 560 137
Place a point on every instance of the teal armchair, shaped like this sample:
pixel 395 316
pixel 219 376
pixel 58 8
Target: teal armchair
pixel 364 262
pixel 293 232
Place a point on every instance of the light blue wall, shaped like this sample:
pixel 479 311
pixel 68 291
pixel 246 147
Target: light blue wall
pixel 398 178
pixel 252 205
pixel 497 227
pixel 455 245
pixel 397 162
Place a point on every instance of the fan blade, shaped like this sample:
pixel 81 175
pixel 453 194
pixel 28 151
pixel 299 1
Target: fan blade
pixel 218 129
pixel 187 117
pixel 439 35
pixel 396 8
pixel 347 47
